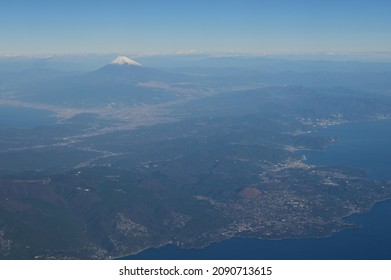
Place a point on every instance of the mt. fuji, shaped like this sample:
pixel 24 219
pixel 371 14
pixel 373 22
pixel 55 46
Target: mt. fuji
pixel 120 81
pixel 125 70
pixel 123 60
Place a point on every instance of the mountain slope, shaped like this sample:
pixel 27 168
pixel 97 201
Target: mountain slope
pixel 118 82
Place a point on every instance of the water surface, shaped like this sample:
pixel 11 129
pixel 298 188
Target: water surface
pixel 21 117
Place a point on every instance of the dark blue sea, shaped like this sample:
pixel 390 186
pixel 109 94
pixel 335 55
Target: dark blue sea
pixel 20 117
pixel 366 146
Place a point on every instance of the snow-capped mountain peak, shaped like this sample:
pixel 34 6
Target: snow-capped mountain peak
pixel 123 60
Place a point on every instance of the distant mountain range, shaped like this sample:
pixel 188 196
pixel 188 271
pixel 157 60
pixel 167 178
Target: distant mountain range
pixel 122 82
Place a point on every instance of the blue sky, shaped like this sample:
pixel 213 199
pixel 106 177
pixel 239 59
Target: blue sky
pixel 168 26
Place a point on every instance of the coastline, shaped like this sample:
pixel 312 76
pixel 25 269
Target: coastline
pixel 335 246
pixel 352 215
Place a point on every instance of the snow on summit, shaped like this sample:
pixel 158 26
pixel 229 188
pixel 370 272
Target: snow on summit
pixel 123 60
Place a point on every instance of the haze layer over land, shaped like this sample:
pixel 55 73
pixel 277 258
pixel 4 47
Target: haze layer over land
pixel 109 162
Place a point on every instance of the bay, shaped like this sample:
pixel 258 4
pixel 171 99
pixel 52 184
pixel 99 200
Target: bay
pixel 21 117
pixel 364 145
